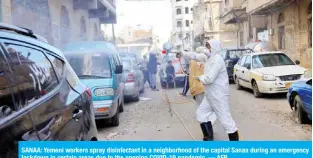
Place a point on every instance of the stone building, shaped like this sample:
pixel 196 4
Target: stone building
pixel 285 23
pixel 60 21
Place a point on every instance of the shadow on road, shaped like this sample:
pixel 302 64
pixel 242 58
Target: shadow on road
pixel 278 96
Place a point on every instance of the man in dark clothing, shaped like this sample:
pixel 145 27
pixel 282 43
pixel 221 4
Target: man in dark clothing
pixel 144 65
pixel 170 74
pixel 152 68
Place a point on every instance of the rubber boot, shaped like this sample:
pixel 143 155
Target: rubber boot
pixel 233 136
pixel 207 131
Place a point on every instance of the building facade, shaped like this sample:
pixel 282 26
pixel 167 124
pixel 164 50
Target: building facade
pixel 208 25
pixel 285 23
pixel 182 23
pixel 60 21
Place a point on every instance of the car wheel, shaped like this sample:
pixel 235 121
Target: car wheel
pixel 300 114
pixel 143 89
pixel 256 91
pixel 238 86
pixel 136 98
pixel 121 108
pixel 115 120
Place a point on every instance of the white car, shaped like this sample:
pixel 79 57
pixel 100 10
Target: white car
pixel 268 72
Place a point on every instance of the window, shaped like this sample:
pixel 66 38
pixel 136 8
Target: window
pixel 188 35
pixel 191 22
pixel 186 10
pixel 83 29
pixel 281 37
pixel 242 60
pixel 178 11
pixel 248 61
pixel 98 67
pixel 178 0
pixel 179 24
pixel 180 36
pixel 226 1
pixel 241 38
pixel 65 28
pixel 34 76
pixel 187 23
pixel 57 64
pixel 271 60
pixel 191 9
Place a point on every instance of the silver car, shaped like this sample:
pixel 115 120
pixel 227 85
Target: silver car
pixel 134 79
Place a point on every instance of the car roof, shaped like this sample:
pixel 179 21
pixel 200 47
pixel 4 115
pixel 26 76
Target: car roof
pixel 240 49
pixel 90 46
pixel 266 52
pixel 32 41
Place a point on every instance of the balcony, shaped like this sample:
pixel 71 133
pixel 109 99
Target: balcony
pixel 266 6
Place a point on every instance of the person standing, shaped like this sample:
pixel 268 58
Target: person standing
pixel 186 81
pixel 152 68
pixel 216 87
pixel 144 65
pixel 170 74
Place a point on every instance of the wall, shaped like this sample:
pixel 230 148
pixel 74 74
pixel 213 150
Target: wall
pixel 254 4
pixel 55 14
pixel 296 32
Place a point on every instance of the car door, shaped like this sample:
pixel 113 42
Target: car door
pixel 306 96
pixel 15 120
pixel 238 69
pixel 245 76
pixel 119 78
pixel 48 97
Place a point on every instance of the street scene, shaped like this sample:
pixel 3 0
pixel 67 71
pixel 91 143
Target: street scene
pixel 167 70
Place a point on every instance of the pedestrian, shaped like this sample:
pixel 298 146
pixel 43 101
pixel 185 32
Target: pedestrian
pixel 170 74
pixel 152 68
pixel 144 66
pixel 186 80
pixel 216 87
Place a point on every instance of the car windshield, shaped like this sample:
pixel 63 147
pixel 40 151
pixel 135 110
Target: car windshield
pixel 235 54
pixel 271 60
pixel 130 56
pixel 90 66
pixel 127 64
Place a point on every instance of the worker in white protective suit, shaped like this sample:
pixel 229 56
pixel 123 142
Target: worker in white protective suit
pixel 216 86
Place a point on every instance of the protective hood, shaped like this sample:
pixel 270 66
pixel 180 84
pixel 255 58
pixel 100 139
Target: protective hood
pixel 216 45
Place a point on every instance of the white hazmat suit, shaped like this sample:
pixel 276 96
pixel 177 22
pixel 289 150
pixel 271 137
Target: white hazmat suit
pixel 216 85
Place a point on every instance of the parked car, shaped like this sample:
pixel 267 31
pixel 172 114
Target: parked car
pixel 134 80
pixel 300 100
pixel 231 57
pixel 98 66
pixel 180 65
pixel 268 72
pixel 261 46
pixel 41 97
pixel 130 55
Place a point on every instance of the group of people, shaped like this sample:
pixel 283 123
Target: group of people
pixel 209 85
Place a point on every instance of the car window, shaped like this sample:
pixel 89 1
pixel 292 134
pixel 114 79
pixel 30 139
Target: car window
pixel 34 75
pixel 248 60
pixel 91 65
pixel 271 60
pixel 242 61
pixel 235 54
pixel 57 64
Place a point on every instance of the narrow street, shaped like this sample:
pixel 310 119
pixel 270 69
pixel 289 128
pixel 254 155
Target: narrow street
pixel 268 118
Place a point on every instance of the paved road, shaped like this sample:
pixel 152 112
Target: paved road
pixel 269 118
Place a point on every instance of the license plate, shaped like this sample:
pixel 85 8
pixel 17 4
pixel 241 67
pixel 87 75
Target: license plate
pixel 287 85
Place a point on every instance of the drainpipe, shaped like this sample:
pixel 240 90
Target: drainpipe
pixel 299 22
pixel 0 10
pixel 113 33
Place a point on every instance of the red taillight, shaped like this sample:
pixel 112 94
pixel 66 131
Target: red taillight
pixel 130 78
pixel 88 92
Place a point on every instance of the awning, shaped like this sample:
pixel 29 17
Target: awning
pixel 271 6
pixel 109 5
pixel 234 16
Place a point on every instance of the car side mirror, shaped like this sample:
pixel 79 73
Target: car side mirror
pixel 119 69
pixel 297 62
